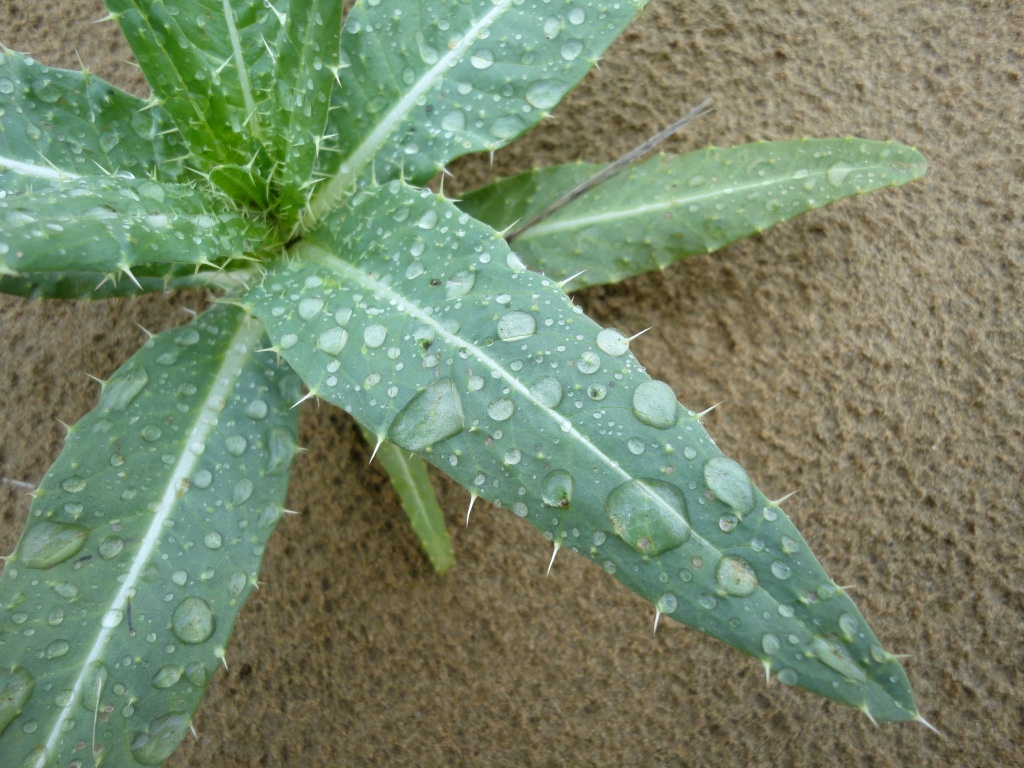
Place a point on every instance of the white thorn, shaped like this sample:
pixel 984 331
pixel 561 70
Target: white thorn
pixel 767 673
pixel 17 483
pixel 288 511
pixel 788 495
pixel 304 398
pixel 929 726
pixel 871 717
pixel 192 728
pixel 635 335
pixel 657 618
pixel 552 562
pixel 144 330
pixel 569 279
pixel 472 501
pixel 132 277
pixel 380 442
pixel 704 413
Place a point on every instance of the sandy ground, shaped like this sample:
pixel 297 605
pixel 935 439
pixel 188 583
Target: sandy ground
pixel 869 355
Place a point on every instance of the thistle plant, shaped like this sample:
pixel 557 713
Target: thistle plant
pixel 281 163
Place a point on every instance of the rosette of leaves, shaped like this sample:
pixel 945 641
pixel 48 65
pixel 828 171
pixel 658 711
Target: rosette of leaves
pixel 280 163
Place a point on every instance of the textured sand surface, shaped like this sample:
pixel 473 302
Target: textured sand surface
pixel 869 355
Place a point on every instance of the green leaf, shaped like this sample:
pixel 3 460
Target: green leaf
pixel 95 285
pixel 207 64
pixel 670 207
pixel 307 64
pixel 143 541
pixel 59 123
pixel 109 225
pixel 425 81
pixel 420 322
pixel 409 478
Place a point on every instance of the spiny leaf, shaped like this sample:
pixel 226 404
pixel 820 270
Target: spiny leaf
pixel 670 207
pixel 59 123
pixel 68 284
pixel 420 322
pixel 305 69
pixel 112 225
pixel 143 542
pixel 425 81
pixel 409 478
pixel 207 64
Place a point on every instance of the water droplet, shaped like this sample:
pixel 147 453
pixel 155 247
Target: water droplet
pixel 154 745
pixel 6 85
pixel 151 433
pixel 545 94
pixel 180 577
pixel 112 618
pixel 735 577
pixel 66 589
pixel 728 523
pixel 837 173
pixel 124 387
pixel 770 644
pixel 789 545
pixel 708 602
pixel 513 326
pixel 47 543
pixel 432 415
pixel 835 657
pixel 689 453
pixel 213 540
pixel 557 488
pixel 552 27
pixel 655 404
pixel 193 621
pixel 547 391
pixel 482 59
pixel 668 603
pixel 73 484
pixel 310 307
pixel 780 570
pixel 453 121
pixel 111 547
pixel 571 49
pixel 513 457
pixel 848 624
pixel 237 582
pixel 649 515
pixel 613 343
pixel 187 338
pixel 727 480
pixel 236 444
pixel 374 335
pixel 589 362
pixel 167 676
pixel 257 409
pixel 501 409
pixel 428 220
pixel 57 648
pixel 459 284
pixel 202 479
pixel 636 446
pixel 15 689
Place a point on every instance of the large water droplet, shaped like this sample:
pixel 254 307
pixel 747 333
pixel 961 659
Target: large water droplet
pixel 374 335
pixel 459 284
pixel 655 404
pixel 513 326
pixel 193 621
pixel 837 172
pixel 547 391
pixel 613 343
pixel 15 688
pixel 501 409
pixel 545 94
pixel 848 624
pixel 57 648
pixel 167 676
pixel 571 49
pixel 835 657
pixel 432 415
pixel 730 484
pixel 781 571
pixel 770 644
pixel 310 307
pixel 236 444
pixel 735 577
pixel 649 515
pixel 111 547
pixel 556 488
pixel 332 341
pixel 154 745
pixel 48 543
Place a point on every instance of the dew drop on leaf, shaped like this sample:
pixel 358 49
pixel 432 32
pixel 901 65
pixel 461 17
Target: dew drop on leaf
pixel 432 415
pixel 735 577
pixel 729 482
pixel 513 326
pixel 154 745
pixel 649 515
pixel 48 543
pixel 655 404
pixel 193 621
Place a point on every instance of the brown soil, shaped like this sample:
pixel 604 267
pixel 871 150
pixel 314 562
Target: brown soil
pixel 869 354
